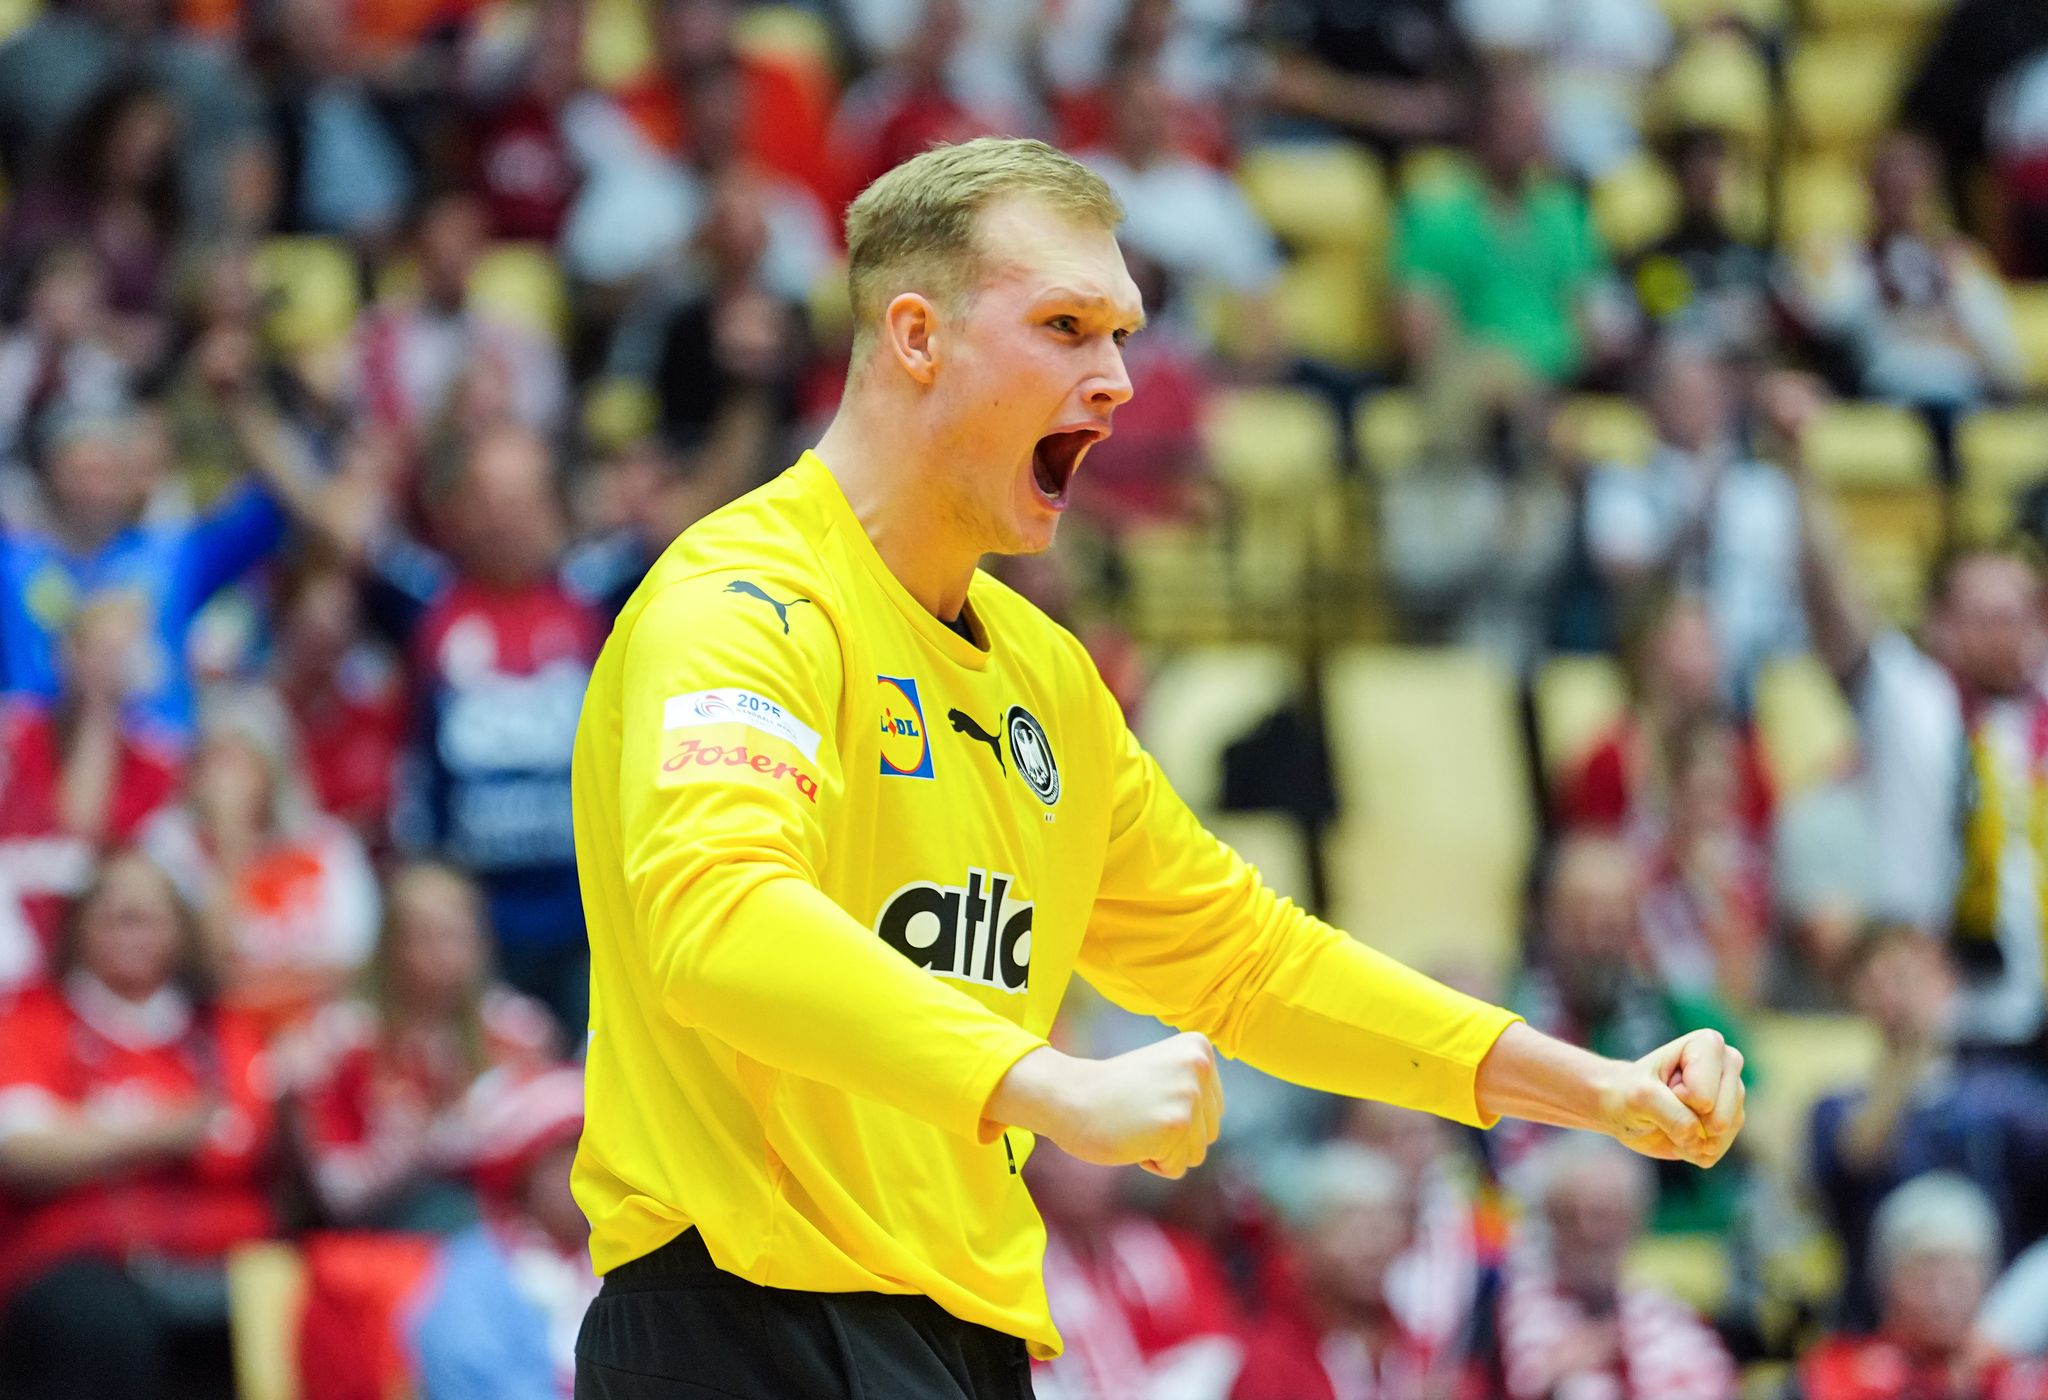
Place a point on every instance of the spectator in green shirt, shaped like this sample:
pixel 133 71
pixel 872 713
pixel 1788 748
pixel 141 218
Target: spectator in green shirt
pixel 1504 257
pixel 1590 981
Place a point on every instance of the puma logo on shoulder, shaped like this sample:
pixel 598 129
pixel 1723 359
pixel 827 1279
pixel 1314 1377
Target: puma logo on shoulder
pixel 963 723
pixel 753 590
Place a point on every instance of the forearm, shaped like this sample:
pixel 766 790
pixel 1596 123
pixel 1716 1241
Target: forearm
pixel 1334 1014
pixel 1840 621
pixel 767 963
pixel 46 1162
pixel 1533 1076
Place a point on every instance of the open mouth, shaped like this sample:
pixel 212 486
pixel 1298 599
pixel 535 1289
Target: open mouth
pixel 1055 460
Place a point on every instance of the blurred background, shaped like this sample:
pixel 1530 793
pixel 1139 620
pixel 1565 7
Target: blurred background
pixel 1578 529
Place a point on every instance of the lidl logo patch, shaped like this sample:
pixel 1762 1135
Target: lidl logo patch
pixel 906 746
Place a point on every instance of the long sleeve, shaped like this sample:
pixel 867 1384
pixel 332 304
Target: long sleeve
pixel 728 761
pixel 1184 930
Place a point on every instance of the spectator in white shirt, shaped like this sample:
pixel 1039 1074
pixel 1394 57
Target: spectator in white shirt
pixel 1704 517
pixel 1189 218
pixel 1954 766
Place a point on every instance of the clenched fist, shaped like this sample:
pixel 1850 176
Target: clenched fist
pixel 1159 1106
pixel 1683 1101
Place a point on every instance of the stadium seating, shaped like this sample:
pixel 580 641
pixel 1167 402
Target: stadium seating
pixel 1578 698
pixel 266 1289
pixel 1807 731
pixel 1821 198
pixel 2029 302
pixel 1609 429
pixel 1802 1057
pixel 1199 702
pixel 1719 81
pixel 1878 462
pixel 522 283
pixel 1318 194
pixel 314 289
pixel 1275 452
pixel 1428 857
pixel 2003 451
pixel 1841 91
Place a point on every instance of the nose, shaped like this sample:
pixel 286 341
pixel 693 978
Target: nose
pixel 1112 386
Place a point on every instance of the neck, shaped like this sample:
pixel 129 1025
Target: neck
pixel 891 474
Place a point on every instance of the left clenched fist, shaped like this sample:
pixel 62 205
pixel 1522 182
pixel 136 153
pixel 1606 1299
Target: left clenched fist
pixel 1682 1102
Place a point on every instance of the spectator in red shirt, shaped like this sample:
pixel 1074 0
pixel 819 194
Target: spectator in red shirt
pixel 1569 1324
pixel 1435 1285
pixel 1674 665
pixel 782 110
pixel 520 161
pixel 385 1082
pixel 911 102
pixel 347 698
pixel 1333 1332
pixel 1936 1249
pixel 1144 1308
pixel 286 898
pixel 76 775
pixel 133 1128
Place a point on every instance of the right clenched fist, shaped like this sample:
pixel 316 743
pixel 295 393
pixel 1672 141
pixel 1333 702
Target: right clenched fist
pixel 1159 1106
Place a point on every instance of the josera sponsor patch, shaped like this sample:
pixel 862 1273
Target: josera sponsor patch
pixel 732 706
pixel 723 752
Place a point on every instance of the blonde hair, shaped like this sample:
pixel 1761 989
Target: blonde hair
pixel 914 228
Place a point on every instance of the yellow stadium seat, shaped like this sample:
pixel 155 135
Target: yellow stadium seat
pixel 1179 582
pixel 1318 194
pixel 618 46
pixel 1578 699
pixel 1807 730
pixel 1276 452
pixel 266 1286
pixel 1200 700
pixel 1693 1268
pixel 1822 198
pixel 16 14
pixel 1862 445
pixel 1267 441
pixel 1635 204
pixel 1802 1058
pixel 2003 452
pixel 1390 432
pixel 1428 165
pixel 1331 306
pixel 787 33
pixel 1273 844
pixel 1610 429
pixel 314 290
pixel 1428 857
pixel 2030 319
pixel 618 413
pixel 1719 81
pixel 1908 16
pixel 1843 92
pixel 1763 15
pixel 522 283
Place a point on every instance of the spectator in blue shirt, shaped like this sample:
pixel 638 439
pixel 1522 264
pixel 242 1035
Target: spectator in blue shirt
pixel 1922 1109
pixel 91 537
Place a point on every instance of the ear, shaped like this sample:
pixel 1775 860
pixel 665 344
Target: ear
pixel 910 331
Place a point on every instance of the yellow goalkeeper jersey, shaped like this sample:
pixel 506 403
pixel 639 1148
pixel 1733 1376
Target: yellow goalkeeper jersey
pixel 839 864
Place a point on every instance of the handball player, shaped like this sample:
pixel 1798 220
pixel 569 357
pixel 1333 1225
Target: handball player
pixel 850 815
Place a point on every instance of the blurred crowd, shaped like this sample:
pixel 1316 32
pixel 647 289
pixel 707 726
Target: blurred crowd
pixel 357 357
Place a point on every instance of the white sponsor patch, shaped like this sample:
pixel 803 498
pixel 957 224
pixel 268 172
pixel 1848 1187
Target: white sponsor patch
pixel 739 707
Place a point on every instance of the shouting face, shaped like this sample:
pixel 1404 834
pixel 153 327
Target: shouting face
pixel 1026 371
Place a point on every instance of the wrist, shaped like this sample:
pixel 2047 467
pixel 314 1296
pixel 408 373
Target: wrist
pixel 1036 1093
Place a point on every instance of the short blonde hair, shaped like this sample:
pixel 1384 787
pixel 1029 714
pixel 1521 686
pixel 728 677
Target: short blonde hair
pixel 914 228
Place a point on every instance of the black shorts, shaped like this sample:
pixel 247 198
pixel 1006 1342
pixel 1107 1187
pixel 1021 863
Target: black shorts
pixel 674 1326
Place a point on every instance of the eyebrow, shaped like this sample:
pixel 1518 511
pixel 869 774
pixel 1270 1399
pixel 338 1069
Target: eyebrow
pixel 1090 300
